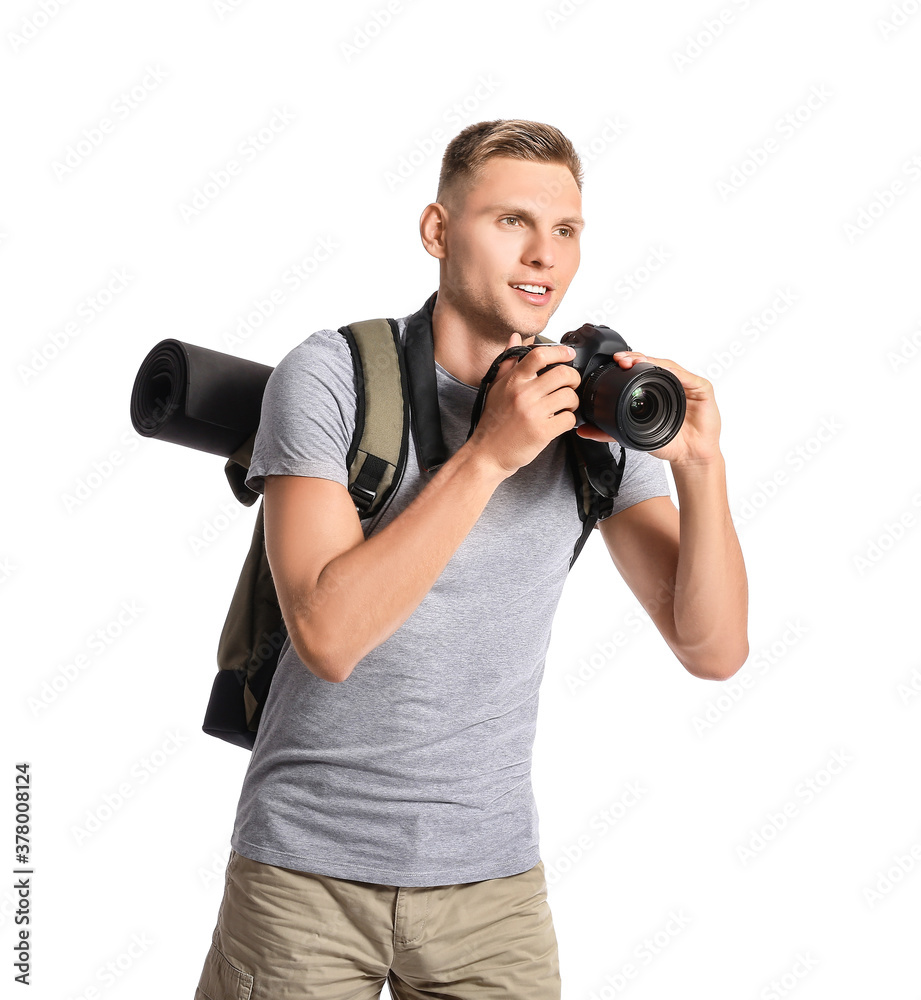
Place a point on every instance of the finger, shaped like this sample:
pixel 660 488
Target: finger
pixel 593 433
pixel 682 373
pixel 664 363
pixel 542 355
pixel 691 383
pixel 627 359
pixel 513 341
pixel 508 364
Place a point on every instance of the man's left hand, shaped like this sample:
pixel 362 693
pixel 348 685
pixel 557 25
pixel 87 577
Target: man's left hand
pixel 698 439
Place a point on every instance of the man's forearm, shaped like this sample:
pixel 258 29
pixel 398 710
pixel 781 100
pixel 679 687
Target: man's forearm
pixel 364 595
pixel 711 587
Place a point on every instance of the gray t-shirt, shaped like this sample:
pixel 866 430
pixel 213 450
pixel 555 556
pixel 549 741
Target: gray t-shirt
pixel 415 770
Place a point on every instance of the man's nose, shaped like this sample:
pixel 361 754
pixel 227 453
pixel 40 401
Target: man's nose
pixel 539 250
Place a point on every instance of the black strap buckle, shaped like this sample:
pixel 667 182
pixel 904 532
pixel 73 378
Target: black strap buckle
pixel 363 498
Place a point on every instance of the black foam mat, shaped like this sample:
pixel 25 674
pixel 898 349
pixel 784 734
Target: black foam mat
pixel 198 397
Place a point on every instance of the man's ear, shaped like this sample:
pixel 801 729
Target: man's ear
pixel 432 225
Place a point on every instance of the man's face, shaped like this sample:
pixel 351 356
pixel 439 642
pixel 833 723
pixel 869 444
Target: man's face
pixel 519 223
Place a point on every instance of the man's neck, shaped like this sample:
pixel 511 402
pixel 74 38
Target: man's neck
pixel 462 352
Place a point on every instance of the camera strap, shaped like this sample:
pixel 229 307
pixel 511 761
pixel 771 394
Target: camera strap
pixel 603 473
pixel 596 473
pixel 488 379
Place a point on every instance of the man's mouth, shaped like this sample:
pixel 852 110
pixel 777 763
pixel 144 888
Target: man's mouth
pixel 537 295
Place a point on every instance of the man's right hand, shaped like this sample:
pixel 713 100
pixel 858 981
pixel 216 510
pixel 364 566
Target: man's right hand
pixel 524 412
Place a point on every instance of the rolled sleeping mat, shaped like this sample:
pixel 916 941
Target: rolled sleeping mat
pixel 197 397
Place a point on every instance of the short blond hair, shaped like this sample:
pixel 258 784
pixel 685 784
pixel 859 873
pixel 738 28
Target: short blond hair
pixel 469 150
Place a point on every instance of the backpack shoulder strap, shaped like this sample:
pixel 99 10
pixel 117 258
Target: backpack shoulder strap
pixel 377 455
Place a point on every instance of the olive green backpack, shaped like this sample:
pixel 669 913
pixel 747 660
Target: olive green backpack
pixel 388 376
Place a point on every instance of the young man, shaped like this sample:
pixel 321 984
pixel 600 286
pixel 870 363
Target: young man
pixel 386 828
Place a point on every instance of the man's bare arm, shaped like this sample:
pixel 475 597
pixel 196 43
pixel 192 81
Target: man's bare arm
pixel 342 595
pixel 696 592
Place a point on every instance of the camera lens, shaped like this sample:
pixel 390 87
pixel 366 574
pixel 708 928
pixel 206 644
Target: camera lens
pixel 644 404
pixel 642 407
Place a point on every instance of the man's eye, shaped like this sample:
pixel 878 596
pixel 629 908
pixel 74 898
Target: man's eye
pixel 565 229
pixel 514 218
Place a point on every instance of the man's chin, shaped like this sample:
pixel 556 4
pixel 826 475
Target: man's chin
pixel 529 330
pixel 531 324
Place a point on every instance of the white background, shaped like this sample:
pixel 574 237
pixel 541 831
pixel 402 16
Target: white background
pixel 672 113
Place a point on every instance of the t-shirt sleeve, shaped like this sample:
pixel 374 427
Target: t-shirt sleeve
pixel 644 477
pixel 308 413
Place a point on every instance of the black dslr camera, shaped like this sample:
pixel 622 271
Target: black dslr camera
pixel 641 407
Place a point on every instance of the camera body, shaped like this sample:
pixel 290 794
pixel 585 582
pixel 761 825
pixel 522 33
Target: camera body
pixel 641 407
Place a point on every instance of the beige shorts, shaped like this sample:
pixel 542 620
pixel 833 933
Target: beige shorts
pixel 283 934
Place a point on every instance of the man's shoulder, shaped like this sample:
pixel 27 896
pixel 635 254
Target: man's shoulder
pixel 329 343
pixel 324 356
pixel 323 341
